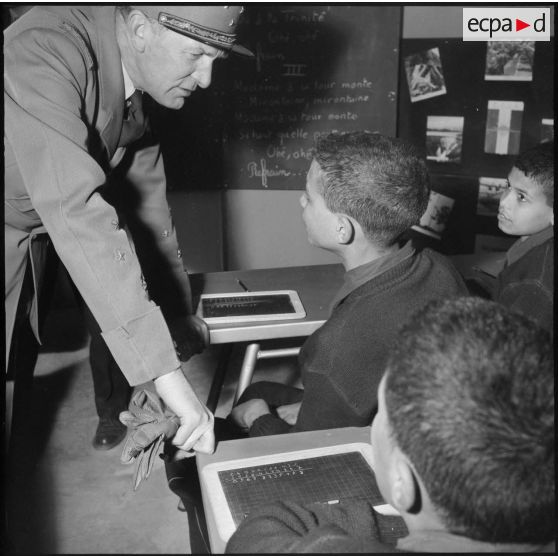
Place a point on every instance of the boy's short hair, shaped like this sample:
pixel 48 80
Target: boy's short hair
pixel 537 163
pixel 469 396
pixel 379 181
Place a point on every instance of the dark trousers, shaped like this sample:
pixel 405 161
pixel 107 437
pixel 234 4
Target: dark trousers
pixel 183 480
pixel 112 391
pixel 273 393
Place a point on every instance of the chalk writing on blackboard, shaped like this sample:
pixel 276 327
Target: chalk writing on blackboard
pixel 317 69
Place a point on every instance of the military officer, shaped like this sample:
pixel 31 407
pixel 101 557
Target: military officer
pixel 68 72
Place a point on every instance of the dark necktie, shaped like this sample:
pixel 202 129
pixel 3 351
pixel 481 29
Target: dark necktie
pixel 135 123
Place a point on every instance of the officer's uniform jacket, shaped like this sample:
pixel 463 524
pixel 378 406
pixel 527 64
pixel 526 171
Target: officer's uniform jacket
pixel 64 104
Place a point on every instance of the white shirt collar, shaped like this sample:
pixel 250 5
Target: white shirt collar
pixel 128 85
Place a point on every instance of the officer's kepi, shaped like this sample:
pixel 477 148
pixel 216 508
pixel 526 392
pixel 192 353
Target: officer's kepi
pixel 212 25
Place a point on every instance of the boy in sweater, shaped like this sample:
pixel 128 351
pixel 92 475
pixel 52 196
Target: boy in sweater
pixel 463 446
pixel 363 190
pixel 526 210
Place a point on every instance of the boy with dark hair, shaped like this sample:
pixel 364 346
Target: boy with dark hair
pixel 363 190
pixel 526 210
pixel 463 445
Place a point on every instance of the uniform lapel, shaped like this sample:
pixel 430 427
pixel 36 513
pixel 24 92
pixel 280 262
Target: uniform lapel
pixel 111 81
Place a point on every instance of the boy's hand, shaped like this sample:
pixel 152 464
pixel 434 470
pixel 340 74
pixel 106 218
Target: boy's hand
pixel 246 413
pixel 289 413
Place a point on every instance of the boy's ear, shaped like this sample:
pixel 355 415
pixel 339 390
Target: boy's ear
pixel 552 219
pixel 345 229
pixel 405 492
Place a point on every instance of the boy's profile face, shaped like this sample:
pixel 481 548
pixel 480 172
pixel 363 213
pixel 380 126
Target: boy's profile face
pixel 319 221
pixel 524 209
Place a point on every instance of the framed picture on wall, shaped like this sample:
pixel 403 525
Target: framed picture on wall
pixel 490 192
pixel 425 76
pixel 503 127
pixel 547 129
pixel 509 61
pixel 437 214
pixel 444 138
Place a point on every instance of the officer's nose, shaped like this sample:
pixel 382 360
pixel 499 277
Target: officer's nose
pixel 203 73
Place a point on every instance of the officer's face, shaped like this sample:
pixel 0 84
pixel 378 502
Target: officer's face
pixel 172 65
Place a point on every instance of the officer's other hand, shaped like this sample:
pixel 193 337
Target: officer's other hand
pixel 190 335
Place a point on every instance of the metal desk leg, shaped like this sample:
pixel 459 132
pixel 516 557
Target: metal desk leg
pixel 219 377
pixel 9 412
pixel 247 370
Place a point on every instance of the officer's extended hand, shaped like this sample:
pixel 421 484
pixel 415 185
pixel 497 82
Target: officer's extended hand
pixel 196 421
pixel 190 335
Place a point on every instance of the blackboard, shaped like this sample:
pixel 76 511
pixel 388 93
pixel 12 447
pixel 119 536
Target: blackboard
pixel 317 69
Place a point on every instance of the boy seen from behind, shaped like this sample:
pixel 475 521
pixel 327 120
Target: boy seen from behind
pixel 363 190
pixel 463 445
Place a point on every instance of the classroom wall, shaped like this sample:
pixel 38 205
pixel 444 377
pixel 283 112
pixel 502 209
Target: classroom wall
pixel 264 228
pixel 259 228
pixel 198 218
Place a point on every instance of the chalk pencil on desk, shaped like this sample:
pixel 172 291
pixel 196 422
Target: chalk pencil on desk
pixel 242 285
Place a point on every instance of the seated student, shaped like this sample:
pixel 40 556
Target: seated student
pixel 526 282
pixel 463 445
pixel 526 210
pixel 363 190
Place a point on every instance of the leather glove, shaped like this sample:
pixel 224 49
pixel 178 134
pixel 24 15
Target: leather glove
pixel 190 335
pixel 151 425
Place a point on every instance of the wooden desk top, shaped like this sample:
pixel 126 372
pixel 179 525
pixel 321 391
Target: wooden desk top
pixel 315 284
pixel 267 445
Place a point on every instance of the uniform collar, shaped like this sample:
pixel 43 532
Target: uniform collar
pixel 128 85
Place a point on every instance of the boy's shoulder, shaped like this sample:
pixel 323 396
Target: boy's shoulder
pixel 536 251
pixel 423 272
pixel 443 264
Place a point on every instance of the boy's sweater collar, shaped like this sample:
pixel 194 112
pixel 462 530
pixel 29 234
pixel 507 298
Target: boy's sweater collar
pixel 434 542
pixel 522 246
pixel 357 276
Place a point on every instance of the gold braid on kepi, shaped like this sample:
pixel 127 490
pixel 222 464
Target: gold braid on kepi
pixel 211 25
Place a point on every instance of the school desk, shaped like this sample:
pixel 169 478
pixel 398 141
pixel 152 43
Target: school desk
pixel 268 445
pixel 316 285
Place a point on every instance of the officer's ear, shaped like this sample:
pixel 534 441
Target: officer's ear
pixel 140 29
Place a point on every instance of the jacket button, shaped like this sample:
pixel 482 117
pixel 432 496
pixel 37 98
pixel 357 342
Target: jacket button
pixel 119 256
